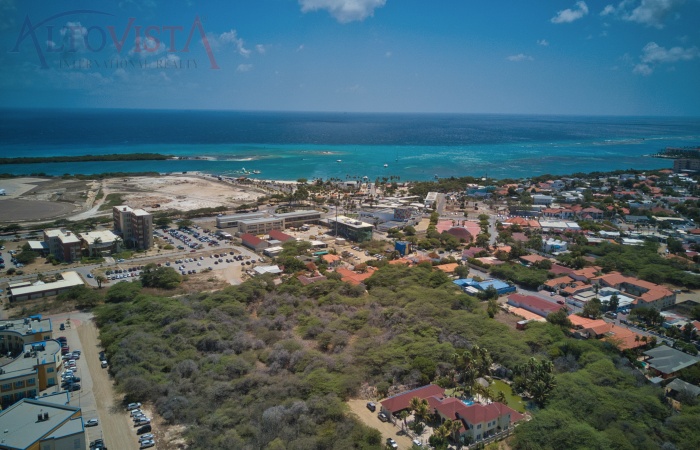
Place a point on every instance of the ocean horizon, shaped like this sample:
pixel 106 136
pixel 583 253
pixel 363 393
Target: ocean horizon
pixel 292 145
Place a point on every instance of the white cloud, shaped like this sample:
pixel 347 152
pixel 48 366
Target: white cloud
pixel 260 48
pixel 652 12
pixel 654 53
pixel 244 68
pixel 543 42
pixel 344 11
pixel 520 57
pixel 570 15
pixel 231 37
pixel 300 48
pixel 643 69
pixel 609 9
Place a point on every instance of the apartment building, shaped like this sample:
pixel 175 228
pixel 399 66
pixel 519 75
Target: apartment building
pixel 63 244
pixel 134 225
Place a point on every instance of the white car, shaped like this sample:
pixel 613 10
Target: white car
pixel 132 406
pixel 92 423
pixel 148 443
pixel 146 437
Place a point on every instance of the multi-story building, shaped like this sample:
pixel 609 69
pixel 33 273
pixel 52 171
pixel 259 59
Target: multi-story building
pixel 351 229
pixel 296 219
pixel 33 370
pixel 262 225
pixel 63 244
pixel 135 226
pixel 46 424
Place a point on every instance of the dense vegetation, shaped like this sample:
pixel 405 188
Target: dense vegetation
pixel 265 366
pixel 85 158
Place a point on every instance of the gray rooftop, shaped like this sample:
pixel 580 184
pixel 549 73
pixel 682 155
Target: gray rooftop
pixel 23 427
pixel 297 214
pixel 21 366
pixel 20 325
pixel 669 360
pixel 679 385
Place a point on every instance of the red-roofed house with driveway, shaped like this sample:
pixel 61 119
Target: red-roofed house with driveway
pixel 534 304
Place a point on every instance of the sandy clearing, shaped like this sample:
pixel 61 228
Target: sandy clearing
pixel 388 430
pixel 117 430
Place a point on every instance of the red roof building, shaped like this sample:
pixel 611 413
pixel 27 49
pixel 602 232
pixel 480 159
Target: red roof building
pixel 279 236
pixel 478 421
pixel 399 402
pixel 253 242
pixel 534 304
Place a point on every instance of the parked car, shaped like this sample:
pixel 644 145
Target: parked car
pixel 142 421
pixel 383 417
pixel 147 443
pixel 144 429
pixel 391 443
pixel 73 387
pixel 131 406
pixel 92 423
pixel 371 406
pixel 146 437
pixel 62 327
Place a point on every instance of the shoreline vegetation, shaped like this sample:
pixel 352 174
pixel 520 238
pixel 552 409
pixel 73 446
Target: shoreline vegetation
pixel 88 158
pixel 678 153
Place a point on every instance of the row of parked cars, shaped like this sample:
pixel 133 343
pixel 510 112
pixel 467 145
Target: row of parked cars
pixel 69 379
pixel 143 423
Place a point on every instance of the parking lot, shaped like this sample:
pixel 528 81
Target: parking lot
pixel 96 396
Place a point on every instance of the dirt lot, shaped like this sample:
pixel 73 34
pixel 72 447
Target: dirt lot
pixel 388 430
pixel 181 192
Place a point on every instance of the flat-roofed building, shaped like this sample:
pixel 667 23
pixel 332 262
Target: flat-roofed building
pixel 231 221
pixel 350 229
pixel 15 333
pixel 262 225
pixel 101 242
pixel 33 370
pixel 41 289
pixel 134 225
pixel 42 425
pixel 295 219
pixel 63 244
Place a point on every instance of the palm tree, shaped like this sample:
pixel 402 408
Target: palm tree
pixel 501 397
pixel 95 243
pixel 100 279
pixel 403 415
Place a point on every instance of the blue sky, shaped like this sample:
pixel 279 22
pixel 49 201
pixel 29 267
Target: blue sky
pixel 629 57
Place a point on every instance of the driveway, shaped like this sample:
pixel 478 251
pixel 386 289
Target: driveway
pixel 388 430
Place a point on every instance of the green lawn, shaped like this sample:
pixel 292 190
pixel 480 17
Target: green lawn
pixel 514 401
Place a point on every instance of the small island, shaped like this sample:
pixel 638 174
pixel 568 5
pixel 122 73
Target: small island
pixel 86 158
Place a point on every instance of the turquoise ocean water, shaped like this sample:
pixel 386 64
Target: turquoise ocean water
pixel 287 146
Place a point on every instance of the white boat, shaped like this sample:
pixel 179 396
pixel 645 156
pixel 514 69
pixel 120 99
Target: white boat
pixel 386 165
pixel 339 160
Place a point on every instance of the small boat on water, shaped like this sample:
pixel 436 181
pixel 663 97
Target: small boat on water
pixel 339 160
pixel 386 165
pixel 243 171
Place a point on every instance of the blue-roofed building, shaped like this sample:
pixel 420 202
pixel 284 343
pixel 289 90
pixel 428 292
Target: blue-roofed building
pixel 501 287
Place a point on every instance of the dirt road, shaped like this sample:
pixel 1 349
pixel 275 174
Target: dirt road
pixel 388 430
pixel 117 430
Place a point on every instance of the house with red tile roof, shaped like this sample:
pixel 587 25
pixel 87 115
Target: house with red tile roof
pixel 646 294
pixel 397 403
pixel 534 304
pixel 561 270
pixel 557 283
pixel 310 280
pixel 532 259
pixel 253 242
pixel 478 421
pixel 586 274
pixel 280 236
pixel 354 278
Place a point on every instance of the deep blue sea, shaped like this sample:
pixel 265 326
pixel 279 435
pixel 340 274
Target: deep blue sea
pixel 288 146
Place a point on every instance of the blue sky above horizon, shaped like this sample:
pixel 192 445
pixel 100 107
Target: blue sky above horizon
pixel 629 57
